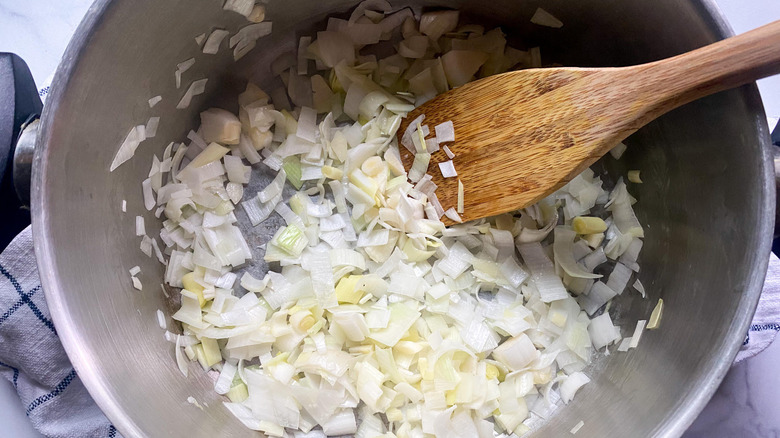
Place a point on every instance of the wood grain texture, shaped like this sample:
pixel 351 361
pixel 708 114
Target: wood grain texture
pixel 521 135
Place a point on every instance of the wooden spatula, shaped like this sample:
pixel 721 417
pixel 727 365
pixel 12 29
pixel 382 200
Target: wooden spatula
pixel 521 135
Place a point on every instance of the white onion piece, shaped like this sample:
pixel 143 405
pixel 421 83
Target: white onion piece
pixel 205 165
pixel 571 384
pixel 244 415
pixel 622 212
pixel 432 145
pixel 413 47
pixel 447 169
pixel 247 35
pixel 195 89
pixel 219 125
pixel 461 196
pixel 307 125
pixel 211 47
pixel 363 34
pixel 447 151
pixel 542 272
pixel 343 423
pixel 149 202
pixel 236 171
pixel 373 5
pixel 528 235
pixel 248 150
pixel 140 229
pixel 151 127
pixel 602 332
pixel 564 253
pixel 335 47
pixel 513 273
pixel 407 138
pixel 544 18
pixel 640 288
pixel 129 145
pixel 181 68
pixel 181 361
pixel 303 46
pixel 146 245
pixel 618 150
pixel 453 215
pixel 243 7
pixel 461 65
pixel 198 143
pixel 258 211
pixel 516 352
pixel 274 188
pixel 391 22
pixel 594 259
pixel 161 320
pixel 419 166
pixel 235 192
pixel 598 295
pixel 225 380
pixel 437 23
pixel 154 101
pixel 618 279
pixel 638 330
pixel 631 254
pixel 445 132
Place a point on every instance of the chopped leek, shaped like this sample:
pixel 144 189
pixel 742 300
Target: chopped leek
pixel 291 239
pixel 370 304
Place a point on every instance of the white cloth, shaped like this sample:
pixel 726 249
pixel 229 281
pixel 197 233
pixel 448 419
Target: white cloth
pixel 766 321
pixel 32 357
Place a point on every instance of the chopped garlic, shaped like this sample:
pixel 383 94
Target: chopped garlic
pixel 655 317
pixel 633 176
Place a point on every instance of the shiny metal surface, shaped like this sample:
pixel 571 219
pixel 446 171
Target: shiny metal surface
pixel 708 205
pixel 23 160
pixel 776 162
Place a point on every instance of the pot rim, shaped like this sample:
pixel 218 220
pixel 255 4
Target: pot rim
pixel 677 421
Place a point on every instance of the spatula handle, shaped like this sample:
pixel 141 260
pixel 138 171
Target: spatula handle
pixel 725 64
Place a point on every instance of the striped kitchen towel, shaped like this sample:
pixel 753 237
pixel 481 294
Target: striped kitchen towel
pixel 32 358
pixel 766 321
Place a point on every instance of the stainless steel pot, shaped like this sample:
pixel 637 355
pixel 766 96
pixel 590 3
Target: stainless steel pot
pixel 708 202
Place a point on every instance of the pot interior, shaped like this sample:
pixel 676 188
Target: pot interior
pixel 704 204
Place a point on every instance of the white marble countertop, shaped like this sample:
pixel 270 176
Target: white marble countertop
pixel 745 405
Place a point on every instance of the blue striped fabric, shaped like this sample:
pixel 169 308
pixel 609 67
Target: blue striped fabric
pixel 54 392
pixel 24 298
pixel 32 357
pixel 766 321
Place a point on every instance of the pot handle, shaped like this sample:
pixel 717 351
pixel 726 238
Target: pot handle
pixel 20 105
